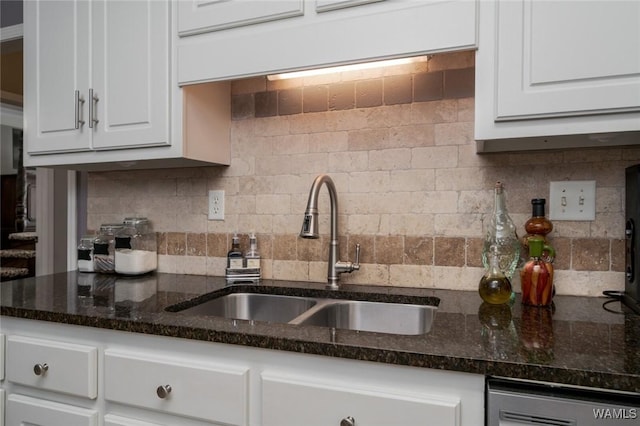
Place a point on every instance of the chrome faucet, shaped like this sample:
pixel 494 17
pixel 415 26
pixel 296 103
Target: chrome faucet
pixel 310 230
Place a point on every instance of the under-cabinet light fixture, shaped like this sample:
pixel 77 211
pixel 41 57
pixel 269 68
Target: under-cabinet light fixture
pixel 350 67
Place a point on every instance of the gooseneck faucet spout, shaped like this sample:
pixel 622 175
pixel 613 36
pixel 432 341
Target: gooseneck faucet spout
pixel 310 230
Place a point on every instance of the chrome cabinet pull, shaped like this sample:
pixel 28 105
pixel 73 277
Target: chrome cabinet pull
pixel 348 421
pixel 79 102
pixel 163 391
pixel 93 108
pixel 40 369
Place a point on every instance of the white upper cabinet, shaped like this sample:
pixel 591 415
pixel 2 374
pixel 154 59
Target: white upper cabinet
pixel 551 68
pixel 100 80
pixel 130 73
pixel 197 16
pixel 251 38
pixel 101 75
pixel 56 66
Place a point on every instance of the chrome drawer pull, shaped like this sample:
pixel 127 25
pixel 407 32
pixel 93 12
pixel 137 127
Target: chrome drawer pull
pixel 40 369
pixel 163 391
pixel 79 102
pixel 348 421
pixel 93 98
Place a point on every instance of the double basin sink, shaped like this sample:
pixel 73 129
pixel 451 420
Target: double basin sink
pixel 404 316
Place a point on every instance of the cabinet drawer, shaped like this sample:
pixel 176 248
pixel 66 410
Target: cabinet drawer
pixel 57 366
pixel 112 420
pixel 342 400
pixel 24 410
pixel 210 392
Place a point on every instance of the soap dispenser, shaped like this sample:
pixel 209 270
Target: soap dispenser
pixel 253 256
pixel 234 256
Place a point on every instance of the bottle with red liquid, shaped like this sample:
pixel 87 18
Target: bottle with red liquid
pixel 536 276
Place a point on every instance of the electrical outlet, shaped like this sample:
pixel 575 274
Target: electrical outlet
pixel 216 204
pixel 572 200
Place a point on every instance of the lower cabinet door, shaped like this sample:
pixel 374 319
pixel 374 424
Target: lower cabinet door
pixel 113 420
pixel 24 410
pixel 214 393
pixel 294 400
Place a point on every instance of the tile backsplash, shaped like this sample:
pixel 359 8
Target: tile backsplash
pixel 412 191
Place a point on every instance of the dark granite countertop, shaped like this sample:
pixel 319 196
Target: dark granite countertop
pixel 579 343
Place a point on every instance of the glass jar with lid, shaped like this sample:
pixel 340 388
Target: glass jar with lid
pixel 104 248
pixel 85 254
pixel 136 247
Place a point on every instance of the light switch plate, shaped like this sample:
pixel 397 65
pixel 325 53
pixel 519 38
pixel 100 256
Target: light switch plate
pixel 216 204
pixel 572 200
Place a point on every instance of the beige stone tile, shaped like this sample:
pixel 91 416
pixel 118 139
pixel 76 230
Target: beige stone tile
pixel 273 204
pixel 455 278
pixel 192 265
pixel 196 244
pixel 369 139
pixel 363 224
pixel 249 85
pixel 474 252
pixel 291 144
pixel 618 255
pixel 436 157
pixel 418 250
pixel 409 224
pixel 216 266
pixel 445 111
pixel 389 249
pixel 608 225
pixel 369 274
pixel 411 180
pixel 449 251
pixel 176 243
pixel 410 276
pixel 452 60
pixel 466 109
pixel 412 135
pixel 290 270
pixel 454 133
pixel 349 161
pixel 388 116
pixel 590 254
pixel 390 159
pixel 285 247
pixel 328 141
pixel 218 244
pixel 587 283
pixel 167 263
pixel 464 225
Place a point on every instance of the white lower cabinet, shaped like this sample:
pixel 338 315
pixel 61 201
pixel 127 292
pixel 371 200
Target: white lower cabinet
pixel 53 365
pixel 209 392
pixel 113 420
pixel 25 410
pixel 313 402
pixel 1 407
pixel 144 380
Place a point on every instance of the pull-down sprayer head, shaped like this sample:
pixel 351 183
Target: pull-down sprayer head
pixel 310 223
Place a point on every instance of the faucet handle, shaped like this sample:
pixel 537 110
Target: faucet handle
pixel 356 263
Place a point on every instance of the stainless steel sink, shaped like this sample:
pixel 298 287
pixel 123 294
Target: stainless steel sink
pixel 254 306
pixel 331 312
pixel 393 318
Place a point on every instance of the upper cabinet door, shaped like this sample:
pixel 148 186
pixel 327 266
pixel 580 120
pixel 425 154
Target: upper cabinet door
pixel 567 58
pixel 56 59
pixel 198 16
pixel 130 73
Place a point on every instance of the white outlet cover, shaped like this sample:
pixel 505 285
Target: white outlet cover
pixel 572 200
pixel 216 204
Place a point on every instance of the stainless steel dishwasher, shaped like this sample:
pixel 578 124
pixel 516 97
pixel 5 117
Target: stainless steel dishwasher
pixel 514 403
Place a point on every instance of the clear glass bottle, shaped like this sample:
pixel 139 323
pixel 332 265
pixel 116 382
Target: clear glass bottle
pixel 536 276
pixel 495 287
pixel 85 254
pixel 136 247
pixel 234 256
pixel 253 256
pixel 501 233
pixel 104 248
